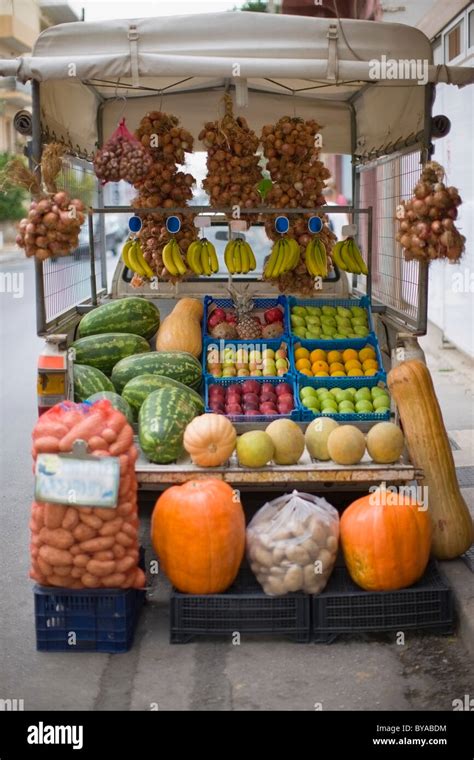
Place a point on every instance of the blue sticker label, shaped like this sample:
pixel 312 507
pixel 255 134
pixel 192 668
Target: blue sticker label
pixel 173 224
pixel 282 225
pixel 315 225
pixel 134 224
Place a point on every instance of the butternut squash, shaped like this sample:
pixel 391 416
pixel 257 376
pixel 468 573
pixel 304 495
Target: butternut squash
pixel 412 389
pixel 181 330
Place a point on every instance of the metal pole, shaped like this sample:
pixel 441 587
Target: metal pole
pixel 100 202
pixel 35 165
pixel 90 222
pixel 369 250
pixel 426 153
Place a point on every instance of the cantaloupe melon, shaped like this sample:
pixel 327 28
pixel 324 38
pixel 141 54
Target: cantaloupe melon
pixel 346 445
pixel 288 441
pixel 316 437
pixel 385 442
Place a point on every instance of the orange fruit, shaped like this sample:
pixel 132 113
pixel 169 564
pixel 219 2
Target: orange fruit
pixel 336 367
pixel 338 373
pixel 367 353
pixel 334 356
pixel 320 367
pixel 353 364
pixel 321 374
pixel 349 354
pixel 303 364
pixel 301 353
pixel 318 355
pixel 370 364
pixel 370 372
pixel 306 372
pixel 355 373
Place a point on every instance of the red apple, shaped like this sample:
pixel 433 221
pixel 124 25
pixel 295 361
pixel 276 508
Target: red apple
pixel 268 408
pixel 283 388
pixel 233 409
pixel 268 397
pixel 231 318
pixel 252 413
pixel 273 315
pixel 234 392
pixel 216 389
pixel 286 398
pixel 216 405
pixel 268 388
pixel 251 386
pixel 285 408
pixel 250 405
pixel 252 397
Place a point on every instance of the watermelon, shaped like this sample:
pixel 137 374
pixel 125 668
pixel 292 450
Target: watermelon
pixel 139 388
pixel 117 402
pixel 104 351
pixel 125 315
pixel 178 365
pixel 162 421
pixel 89 380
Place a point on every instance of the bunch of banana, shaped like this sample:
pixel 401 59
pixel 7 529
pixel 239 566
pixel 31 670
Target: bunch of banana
pixel 315 258
pixel 239 257
pixel 347 256
pixel 173 259
pixel 202 257
pixel 284 258
pixel 133 258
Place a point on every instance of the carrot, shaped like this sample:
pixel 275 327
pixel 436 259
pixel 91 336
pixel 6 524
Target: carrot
pixel 83 532
pixel 71 418
pixel 111 528
pixel 54 556
pixel 105 556
pixel 109 435
pixel 63 581
pixel 119 551
pixel 77 572
pixel 71 519
pixel 123 538
pixel 92 521
pixel 81 560
pixel 63 569
pixel 107 515
pixel 86 511
pixel 125 508
pixel 116 422
pixel 124 465
pixel 45 427
pixel 58 538
pixel 54 515
pixel 140 578
pixel 113 581
pixel 90 581
pixel 83 430
pixel 101 569
pixel 124 486
pixel 75 550
pixel 98 544
pixel 45 567
pixel 129 580
pixel 133 455
pixel 125 564
pixel 97 442
pixel 133 553
pixel 129 529
pixel 47 445
pixel 123 442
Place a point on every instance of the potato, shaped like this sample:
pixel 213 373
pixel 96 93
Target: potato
pixel 308 575
pixel 326 559
pixel 274 586
pixel 282 534
pixel 309 546
pixel 293 579
pixel 279 553
pixel 315 587
pixel 319 532
pixel 331 544
pixel 263 557
pixel 297 554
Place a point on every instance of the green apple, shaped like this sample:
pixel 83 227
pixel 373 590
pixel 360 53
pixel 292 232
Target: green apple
pixel 352 391
pixel 335 391
pixel 328 321
pixel 311 403
pixel 297 321
pixel 347 406
pixel 313 334
pixel 364 406
pixel 299 311
pixel 382 410
pixel 362 331
pixel 363 394
pixel 300 332
pixel 308 391
pixel 346 411
pixel 357 311
pixel 339 336
pixel 376 391
pixel 381 402
pixel 313 321
pixel 315 311
pixel 343 312
pixel 328 403
pixel 329 310
pixel 358 321
pixel 343 396
pixel 268 354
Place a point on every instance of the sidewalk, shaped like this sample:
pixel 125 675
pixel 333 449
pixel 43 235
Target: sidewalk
pixel 10 254
pixel 453 374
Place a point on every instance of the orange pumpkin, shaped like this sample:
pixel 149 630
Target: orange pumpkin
pixel 386 540
pixel 198 533
pixel 210 440
pixel 181 330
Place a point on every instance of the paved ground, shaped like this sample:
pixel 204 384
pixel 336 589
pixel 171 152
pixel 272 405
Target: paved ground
pixel 427 672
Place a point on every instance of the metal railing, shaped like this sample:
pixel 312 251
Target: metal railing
pixel 397 284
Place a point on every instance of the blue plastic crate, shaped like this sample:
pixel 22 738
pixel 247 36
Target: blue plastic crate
pixel 362 382
pixel 259 303
pixel 363 302
pixel 339 345
pixel 249 344
pixel 103 620
pixel 226 381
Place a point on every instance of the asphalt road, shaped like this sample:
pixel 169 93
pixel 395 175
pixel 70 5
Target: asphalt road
pixel 426 672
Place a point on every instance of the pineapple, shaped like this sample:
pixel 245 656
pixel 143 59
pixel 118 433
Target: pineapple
pixel 248 327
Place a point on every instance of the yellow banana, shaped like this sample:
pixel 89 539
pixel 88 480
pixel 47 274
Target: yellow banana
pixel 346 253
pixel 271 263
pixel 237 257
pixel 143 262
pixel 280 267
pixel 357 256
pixel 178 258
pixel 168 259
pixel 125 252
pixel 245 258
pixel 134 260
pixel 206 266
pixel 213 260
pixel 336 255
pixel 193 257
pixel 229 256
pixel 320 257
pixel 251 255
pixel 296 253
pixel 310 259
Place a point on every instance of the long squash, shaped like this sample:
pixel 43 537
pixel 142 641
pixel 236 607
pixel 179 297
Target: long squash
pixel 412 389
pixel 181 330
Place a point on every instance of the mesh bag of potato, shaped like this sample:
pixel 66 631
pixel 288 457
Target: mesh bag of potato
pixel 292 544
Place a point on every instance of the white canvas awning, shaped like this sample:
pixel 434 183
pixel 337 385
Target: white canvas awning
pixel 334 71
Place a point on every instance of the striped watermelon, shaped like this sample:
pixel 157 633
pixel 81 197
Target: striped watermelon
pixel 89 380
pixel 178 365
pixel 162 421
pixel 139 388
pixel 104 351
pixel 117 402
pixel 125 315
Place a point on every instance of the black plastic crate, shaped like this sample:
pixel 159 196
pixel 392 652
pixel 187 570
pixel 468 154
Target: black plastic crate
pixel 244 608
pixel 102 620
pixel 343 607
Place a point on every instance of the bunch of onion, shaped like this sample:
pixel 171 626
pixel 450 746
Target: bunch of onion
pixel 161 134
pixel 172 193
pixel 52 226
pixel 154 236
pixel 233 169
pixel 427 227
pixel 122 157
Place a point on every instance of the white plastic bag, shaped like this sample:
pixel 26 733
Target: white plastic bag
pixel 292 544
